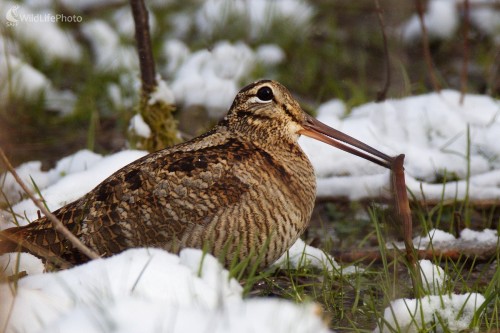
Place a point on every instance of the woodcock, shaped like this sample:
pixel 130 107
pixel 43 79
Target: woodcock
pixel 242 189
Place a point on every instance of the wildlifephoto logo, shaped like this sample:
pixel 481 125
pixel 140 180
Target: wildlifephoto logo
pixel 14 17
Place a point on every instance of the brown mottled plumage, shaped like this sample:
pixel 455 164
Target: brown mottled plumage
pixel 242 187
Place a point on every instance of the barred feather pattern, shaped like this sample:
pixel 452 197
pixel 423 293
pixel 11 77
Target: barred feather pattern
pixel 244 186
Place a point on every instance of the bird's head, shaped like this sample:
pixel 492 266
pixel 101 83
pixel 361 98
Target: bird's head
pixel 266 111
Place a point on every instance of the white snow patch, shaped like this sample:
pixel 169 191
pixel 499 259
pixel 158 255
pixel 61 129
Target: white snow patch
pixel 177 53
pixel 414 315
pixel 26 171
pixel 441 21
pixel 143 290
pixel 331 111
pixel 72 178
pixel 257 15
pixel 163 94
pixel 24 80
pixel 443 16
pixel 484 237
pixel 124 94
pixel 486 17
pixel 431 130
pixel 115 95
pixel 433 277
pixel 434 237
pixel 138 126
pixel 109 52
pixel 12 263
pixel 470 240
pixel 62 101
pixel 270 54
pixel 124 22
pixel 456 311
pixel 74 163
pixel 300 254
pixel 210 79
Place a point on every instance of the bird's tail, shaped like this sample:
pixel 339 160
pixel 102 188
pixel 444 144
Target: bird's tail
pixel 24 239
pixel 42 242
pixel 11 240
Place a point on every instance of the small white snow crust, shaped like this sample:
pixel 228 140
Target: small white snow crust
pixel 456 311
pixel 300 254
pixel 414 315
pixel 439 239
pixel 433 277
pixel 138 126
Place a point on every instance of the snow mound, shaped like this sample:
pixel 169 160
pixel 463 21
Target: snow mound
pixel 471 239
pixel 300 254
pixel 433 130
pixel 414 315
pixel 147 290
pixel 455 311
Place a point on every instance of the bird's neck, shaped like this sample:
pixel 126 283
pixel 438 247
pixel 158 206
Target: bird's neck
pixel 269 136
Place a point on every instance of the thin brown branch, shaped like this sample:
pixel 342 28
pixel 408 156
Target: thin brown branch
pixel 404 214
pixel 494 73
pixel 403 205
pixel 142 37
pixel 480 204
pixel 426 48
pixel 56 223
pixel 382 94
pixel 465 60
pixel 454 254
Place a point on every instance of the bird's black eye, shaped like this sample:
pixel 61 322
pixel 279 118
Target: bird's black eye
pixel 265 94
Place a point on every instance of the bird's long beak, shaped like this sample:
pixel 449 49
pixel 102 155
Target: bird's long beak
pixel 317 130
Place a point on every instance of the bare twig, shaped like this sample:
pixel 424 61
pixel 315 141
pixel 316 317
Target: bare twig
pixel 425 47
pixel 457 223
pixel 494 72
pixel 382 95
pixel 465 61
pixel 481 204
pixel 56 223
pixel 158 114
pixel 404 214
pixel 402 204
pixel 455 254
pixel 142 37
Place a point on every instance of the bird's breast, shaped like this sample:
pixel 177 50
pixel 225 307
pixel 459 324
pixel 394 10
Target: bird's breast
pixel 276 207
